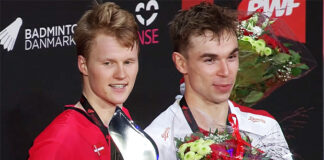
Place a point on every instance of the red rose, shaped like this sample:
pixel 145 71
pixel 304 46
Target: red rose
pixel 274 43
pixel 218 152
pixel 247 33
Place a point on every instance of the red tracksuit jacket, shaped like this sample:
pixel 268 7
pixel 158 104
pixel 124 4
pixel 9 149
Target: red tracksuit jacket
pixel 71 136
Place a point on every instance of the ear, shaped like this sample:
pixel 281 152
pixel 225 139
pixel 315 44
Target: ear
pixel 180 62
pixel 82 64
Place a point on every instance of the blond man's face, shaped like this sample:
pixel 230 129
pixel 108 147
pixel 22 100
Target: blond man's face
pixel 110 70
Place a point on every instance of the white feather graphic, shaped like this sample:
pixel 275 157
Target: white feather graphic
pixel 9 35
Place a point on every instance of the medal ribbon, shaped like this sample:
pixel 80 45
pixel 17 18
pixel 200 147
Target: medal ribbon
pixel 114 153
pixel 240 141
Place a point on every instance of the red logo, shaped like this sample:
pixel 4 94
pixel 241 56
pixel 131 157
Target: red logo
pixel 165 134
pixel 256 119
pixel 147 36
pixel 291 12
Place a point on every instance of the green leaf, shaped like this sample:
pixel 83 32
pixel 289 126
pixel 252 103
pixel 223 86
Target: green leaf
pixel 281 58
pixel 293 51
pixel 295 57
pixel 216 131
pixel 296 71
pixel 303 66
pixel 251 74
pixel 198 134
pixel 287 45
pixel 268 76
pixel 178 142
pixel 242 92
pixel 254 96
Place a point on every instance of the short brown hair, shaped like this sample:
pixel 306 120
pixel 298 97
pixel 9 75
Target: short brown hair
pixel 199 19
pixel 107 18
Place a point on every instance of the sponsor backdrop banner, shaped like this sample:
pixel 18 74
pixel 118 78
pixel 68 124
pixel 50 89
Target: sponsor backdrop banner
pixel 39 74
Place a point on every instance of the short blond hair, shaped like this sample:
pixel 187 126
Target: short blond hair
pixel 109 19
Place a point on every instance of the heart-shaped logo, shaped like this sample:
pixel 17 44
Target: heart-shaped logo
pixel 149 5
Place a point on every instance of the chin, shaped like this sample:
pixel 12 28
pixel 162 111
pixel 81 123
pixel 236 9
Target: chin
pixel 119 103
pixel 221 99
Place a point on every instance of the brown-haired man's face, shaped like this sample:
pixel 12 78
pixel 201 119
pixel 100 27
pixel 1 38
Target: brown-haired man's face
pixel 111 70
pixel 211 66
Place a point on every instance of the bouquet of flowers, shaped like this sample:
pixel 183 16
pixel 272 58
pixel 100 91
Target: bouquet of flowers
pixel 265 63
pixel 219 145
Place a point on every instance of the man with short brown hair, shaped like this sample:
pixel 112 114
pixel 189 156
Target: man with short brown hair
pixel 206 53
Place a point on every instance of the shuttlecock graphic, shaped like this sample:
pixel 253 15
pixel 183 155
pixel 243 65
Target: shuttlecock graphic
pixel 9 35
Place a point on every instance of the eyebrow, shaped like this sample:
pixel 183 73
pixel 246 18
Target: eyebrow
pixel 131 59
pixel 212 55
pixel 127 59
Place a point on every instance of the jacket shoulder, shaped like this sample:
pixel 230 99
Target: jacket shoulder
pixel 164 119
pixel 65 125
pixel 245 109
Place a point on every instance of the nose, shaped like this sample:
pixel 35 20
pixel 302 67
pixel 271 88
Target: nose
pixel 120 72
pixel 223 69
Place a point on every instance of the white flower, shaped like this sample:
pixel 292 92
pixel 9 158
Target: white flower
pixel 243 23
pixel 199 141
pixel 183 147
pixel 257 30
pixel 189 156
pixel 204 150
pixel 196 145
pixel 198 157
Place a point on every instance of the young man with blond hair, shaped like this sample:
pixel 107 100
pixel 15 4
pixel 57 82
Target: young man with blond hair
pixel 107 47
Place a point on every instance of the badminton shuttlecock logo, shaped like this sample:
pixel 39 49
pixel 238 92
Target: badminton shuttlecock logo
pixel 9 35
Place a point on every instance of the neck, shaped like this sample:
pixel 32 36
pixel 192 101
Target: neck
pixel 104 110
pixel 208 115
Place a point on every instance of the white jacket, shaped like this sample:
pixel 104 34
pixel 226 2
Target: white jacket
pixel 261 127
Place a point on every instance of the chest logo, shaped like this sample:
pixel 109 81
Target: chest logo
pixel 256 119
pixel 97 150
pixel 165 134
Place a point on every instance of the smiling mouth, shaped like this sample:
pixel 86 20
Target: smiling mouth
pixel 118 86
